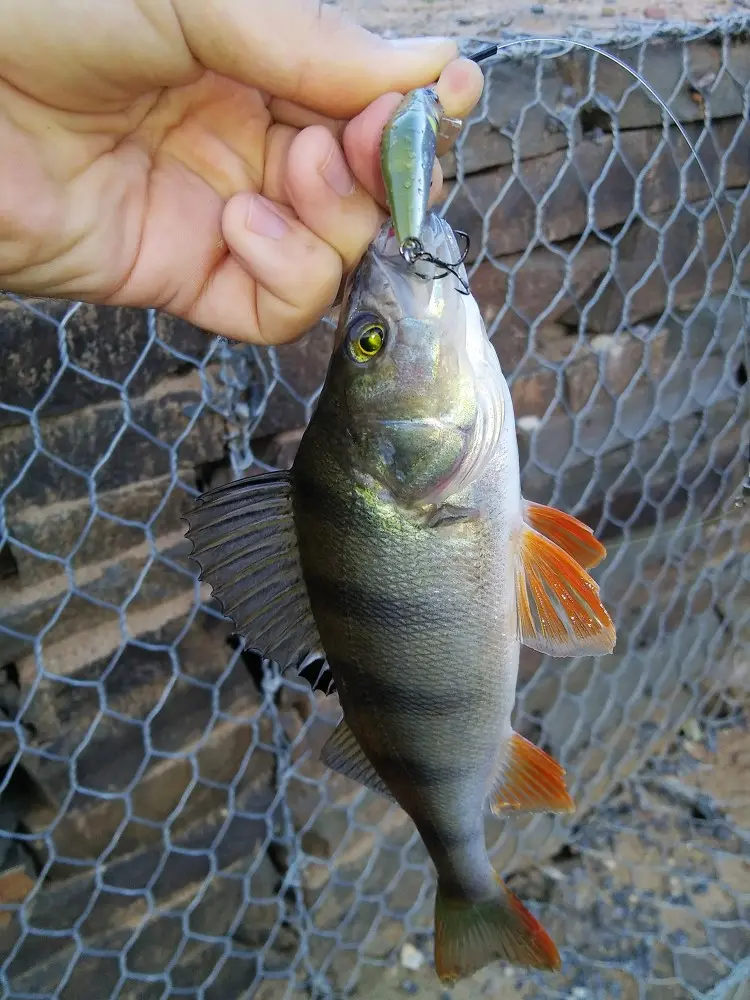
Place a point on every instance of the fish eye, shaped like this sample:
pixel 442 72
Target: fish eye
pixel 366 339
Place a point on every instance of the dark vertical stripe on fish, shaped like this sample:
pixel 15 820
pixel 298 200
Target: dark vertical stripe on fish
pixel 421 771
pixel 400 693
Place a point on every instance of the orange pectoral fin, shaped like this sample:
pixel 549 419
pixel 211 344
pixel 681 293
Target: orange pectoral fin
pixel 563 615
pixel 530 780
pixel 572 535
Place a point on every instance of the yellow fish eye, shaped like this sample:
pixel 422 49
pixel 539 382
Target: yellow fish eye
pixel 366 341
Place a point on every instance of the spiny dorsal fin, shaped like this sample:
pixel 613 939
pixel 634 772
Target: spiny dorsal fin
pixel 245 544
pixel 530 780
pixel 572 535
pixel 343 754
pixel 563 615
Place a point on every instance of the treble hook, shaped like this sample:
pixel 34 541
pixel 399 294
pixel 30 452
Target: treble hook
pixel 412 250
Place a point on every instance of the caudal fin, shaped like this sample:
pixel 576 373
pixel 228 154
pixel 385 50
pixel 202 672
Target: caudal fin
pixel 469 936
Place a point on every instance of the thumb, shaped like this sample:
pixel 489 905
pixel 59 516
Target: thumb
pixel 308 52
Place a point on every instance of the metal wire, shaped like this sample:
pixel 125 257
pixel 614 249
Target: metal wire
pixel 166 828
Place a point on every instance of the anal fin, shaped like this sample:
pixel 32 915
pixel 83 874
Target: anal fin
pixel 344 755
pixel 530 781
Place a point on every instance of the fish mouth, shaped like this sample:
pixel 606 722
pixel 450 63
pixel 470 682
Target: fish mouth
pixel 437 239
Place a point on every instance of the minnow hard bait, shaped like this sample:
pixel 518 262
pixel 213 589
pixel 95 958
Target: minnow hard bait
pixel 417 132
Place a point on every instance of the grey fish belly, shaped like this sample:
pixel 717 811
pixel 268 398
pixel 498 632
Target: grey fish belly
pixel 423 660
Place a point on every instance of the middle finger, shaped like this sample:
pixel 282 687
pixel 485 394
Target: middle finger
pixel 327 198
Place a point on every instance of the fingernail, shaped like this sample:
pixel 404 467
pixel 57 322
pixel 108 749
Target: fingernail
pixel 423 42
pixel 263 220
pixel 336 173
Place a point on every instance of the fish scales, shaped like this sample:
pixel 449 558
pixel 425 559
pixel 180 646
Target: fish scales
pixel 399 547
pixel 400 610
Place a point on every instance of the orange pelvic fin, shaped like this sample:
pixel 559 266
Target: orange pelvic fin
pixel 530 780
pixel 469 936
pixel 559 609
pixel 572 535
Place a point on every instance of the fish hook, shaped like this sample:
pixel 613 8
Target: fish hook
pixel 412 250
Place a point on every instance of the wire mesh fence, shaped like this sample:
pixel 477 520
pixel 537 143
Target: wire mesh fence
pixel 166 828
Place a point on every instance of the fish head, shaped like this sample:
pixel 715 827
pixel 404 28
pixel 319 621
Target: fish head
pixel 418 381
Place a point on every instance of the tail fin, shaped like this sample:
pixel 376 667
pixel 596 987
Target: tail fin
pixel 469 936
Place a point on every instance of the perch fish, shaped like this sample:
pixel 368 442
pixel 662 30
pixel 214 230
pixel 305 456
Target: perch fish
pixel 399 547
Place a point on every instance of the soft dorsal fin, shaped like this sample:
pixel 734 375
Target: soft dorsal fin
pixel 530 780
pixel 343 754
pixel 245 543
pixel 572 535
pixel 559 609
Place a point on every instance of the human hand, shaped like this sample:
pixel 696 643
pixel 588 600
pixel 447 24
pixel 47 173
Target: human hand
pixel 187 156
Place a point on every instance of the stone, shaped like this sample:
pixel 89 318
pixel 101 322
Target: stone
pixel 411 958
pixel 70 529
pixel 537 116
pixel 614 363
pixel 299 369
pixel 15 886
pixel 103 342
pixel 102 438
pixel 533 390
pixel 157 878
pixel 524 294
pixel 278 450
pixel 690 275
pixel 159 742
pixel 716 324
pixel 102 597
pixel 656 458
pixel 594 188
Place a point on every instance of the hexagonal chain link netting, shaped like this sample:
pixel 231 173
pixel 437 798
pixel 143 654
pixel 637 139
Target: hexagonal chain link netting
pixel 166 828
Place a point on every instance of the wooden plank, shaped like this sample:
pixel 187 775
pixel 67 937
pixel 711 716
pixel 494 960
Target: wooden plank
pixel 557 196
pixel 116 898
pixel 532 102
pixel 177 738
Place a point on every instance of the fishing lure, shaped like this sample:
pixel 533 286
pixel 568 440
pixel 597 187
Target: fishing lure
pixel 417 132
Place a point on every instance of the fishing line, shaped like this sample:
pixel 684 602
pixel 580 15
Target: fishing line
pixel 741 498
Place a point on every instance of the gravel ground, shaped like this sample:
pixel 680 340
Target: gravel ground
pixel 651 901
pixel 420 17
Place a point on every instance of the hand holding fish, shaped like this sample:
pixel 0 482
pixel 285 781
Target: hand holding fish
pixel 217 161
